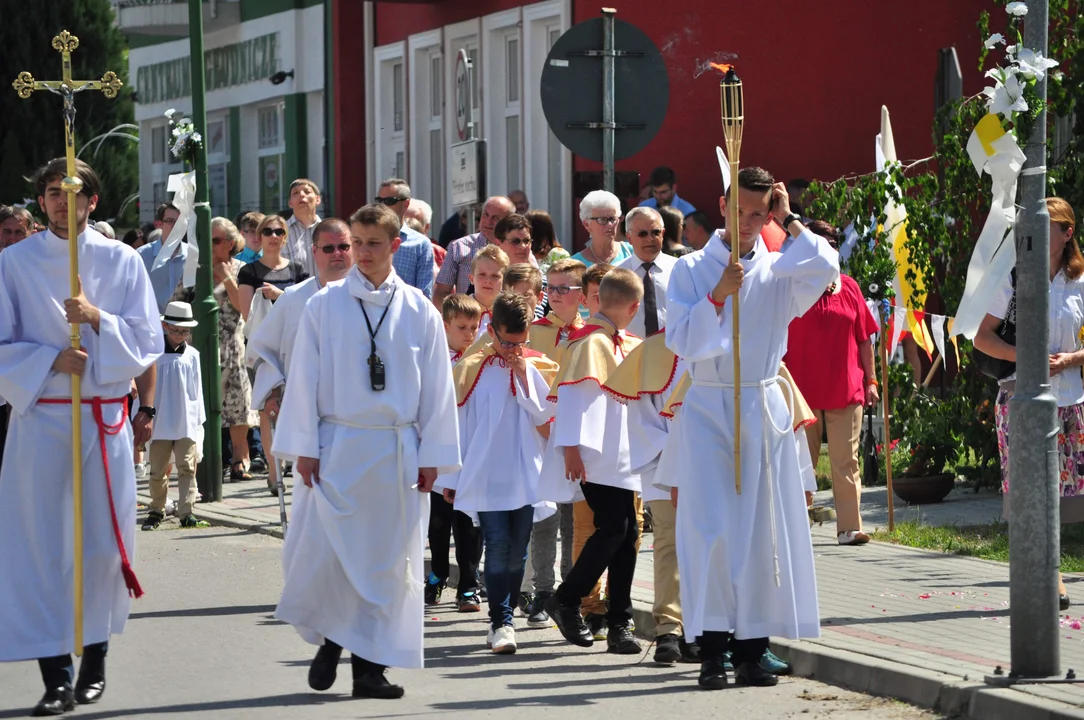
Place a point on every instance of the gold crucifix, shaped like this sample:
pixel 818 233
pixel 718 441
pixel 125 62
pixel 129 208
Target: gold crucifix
pixel 65 43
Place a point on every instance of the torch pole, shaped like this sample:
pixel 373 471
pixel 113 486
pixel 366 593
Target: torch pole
pixel 732 100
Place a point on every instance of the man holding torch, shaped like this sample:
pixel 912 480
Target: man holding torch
pixel 121 336
pixel 744 550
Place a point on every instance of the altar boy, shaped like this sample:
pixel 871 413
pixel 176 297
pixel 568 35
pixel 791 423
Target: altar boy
pixel 589 450
pixel 501 392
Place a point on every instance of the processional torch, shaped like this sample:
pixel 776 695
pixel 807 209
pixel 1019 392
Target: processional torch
pixel 733 108
pixel 65 43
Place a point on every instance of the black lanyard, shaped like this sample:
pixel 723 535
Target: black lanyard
pixel 376 366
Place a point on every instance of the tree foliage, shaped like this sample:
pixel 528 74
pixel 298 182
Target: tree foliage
pixel 33 129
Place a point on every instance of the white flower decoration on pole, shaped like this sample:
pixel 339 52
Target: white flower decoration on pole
pixel 994 40
pixel 1033 65
pixel 1017 9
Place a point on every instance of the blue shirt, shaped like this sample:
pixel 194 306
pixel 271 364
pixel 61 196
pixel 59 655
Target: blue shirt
pixel 413 261
pixel 682 206
pixel 167 278
pixel 248 255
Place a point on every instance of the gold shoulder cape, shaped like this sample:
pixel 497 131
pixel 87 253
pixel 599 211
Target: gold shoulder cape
pixel 650 369
pixel 591 354
pixel 466 372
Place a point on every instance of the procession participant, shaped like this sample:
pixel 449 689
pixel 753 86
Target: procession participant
pixel 565 283
pixel 592 281
pixel 271 345
pixel 589 452
pixel 501 391
pixel 487 278
pixel 521 279
pixel 15 225
pixel 354 555
pixel 462 314
pixel 746 560
pixel 179 418
pixel 121 336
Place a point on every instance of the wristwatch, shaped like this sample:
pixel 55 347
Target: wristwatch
pixel 789 219
pixel 148 411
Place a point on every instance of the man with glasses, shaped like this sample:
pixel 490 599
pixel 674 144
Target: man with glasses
pixel 644 230
pixel 304 199
pixel 413 261
pixel 454 275
pixel 166 279
pixel 15 225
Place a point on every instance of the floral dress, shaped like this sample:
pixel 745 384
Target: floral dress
pixel 236 390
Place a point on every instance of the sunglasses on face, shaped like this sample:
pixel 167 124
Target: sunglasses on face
pixel 505 345
pixel 218 240
pixel 268 232
pixel 329 249
pixel 564 289
pixel 389 201
pixel 656 233
pixel 518 242
pixel 606 221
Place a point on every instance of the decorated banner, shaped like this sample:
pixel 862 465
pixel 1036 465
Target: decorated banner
pixel 183 187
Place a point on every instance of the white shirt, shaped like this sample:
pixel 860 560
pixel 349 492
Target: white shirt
pixel 660 276
pixel 298 245
pixel 179 396
pixel 1066 320
pixel 271 346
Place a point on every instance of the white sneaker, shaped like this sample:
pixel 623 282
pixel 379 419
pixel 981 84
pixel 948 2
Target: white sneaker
pixel 141 471
pixel 171 508
pixel 503 640
pixel 852 537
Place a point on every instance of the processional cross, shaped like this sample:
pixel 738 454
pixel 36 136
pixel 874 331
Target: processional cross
pixel 65 43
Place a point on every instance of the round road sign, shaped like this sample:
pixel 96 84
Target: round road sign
pixel 463 101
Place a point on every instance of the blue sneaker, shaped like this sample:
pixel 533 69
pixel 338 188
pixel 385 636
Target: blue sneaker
pixel 771 664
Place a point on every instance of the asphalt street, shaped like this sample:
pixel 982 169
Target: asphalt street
pixel 202 643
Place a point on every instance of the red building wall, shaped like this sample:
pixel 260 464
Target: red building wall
pixel 816 75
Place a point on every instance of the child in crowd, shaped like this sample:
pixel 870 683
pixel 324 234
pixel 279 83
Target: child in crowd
pixel 565 291
pixel 462 315
pixel 592 281
pixel 178 425
pixel 501 392
pixel 486 276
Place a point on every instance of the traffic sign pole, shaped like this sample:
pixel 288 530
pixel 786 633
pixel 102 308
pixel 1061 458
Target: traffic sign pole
pixel 608 119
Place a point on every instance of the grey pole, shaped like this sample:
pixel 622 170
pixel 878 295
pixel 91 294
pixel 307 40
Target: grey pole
pixel 1034 530
pixel 608 80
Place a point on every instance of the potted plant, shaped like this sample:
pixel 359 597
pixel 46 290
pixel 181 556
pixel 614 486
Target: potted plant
pixel 927 427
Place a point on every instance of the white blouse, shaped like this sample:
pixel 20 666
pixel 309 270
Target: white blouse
pixel 1066 321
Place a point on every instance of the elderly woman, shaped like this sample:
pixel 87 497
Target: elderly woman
pixel 544 244
pixel 600 213
pixel 1066 357
pixel 830 357
pixel 236 390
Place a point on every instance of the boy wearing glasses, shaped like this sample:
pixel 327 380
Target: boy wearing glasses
pixel 565 282
pixel 589 453
pixel 501 392
pixel 178 423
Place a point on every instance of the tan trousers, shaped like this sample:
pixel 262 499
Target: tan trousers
pixel 185 453
pixel 583 527
pixel 844 427
pixel 667 608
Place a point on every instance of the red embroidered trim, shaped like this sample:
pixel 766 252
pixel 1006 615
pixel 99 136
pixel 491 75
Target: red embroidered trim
pixel 130 580
pixel 623 399
pixel 553 398
pixel 543 321
pixel 477 377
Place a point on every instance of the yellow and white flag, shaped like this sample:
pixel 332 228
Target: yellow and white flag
pixel 896 225
pixel 994 151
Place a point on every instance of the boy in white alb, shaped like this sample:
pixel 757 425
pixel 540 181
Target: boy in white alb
pixel 178 425
pixel 589 450
pixel 501 392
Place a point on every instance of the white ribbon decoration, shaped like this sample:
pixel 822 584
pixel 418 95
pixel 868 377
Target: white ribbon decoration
pixel 183 187
pixel 898 325
pixel 994 256
pixel 937 326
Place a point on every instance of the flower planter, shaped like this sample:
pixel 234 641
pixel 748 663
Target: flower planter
pixel 923 490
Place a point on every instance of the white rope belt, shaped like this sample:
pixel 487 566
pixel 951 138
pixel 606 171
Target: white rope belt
pixel 412 582
pixel 769 421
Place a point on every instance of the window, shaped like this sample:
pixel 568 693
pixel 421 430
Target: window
pixel 270 124
pixel 436 87
pixel 513 155
pixel 158 191
pixel 391 106
pixel 553 145
pixel 512 56
pixel 271 153
pixel 159 150
pixel 218 138
pixel 397 90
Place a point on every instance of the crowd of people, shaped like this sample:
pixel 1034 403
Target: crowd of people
pixel 511 395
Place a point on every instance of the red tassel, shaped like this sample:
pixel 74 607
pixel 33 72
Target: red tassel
pixel 130 580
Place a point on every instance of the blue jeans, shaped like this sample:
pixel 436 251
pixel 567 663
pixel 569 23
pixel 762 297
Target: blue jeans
pixel 506 534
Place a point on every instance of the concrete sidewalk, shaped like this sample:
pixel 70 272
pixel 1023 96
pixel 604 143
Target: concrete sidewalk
pixel 919 626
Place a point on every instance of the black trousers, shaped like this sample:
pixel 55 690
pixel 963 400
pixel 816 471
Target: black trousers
pixel 4 411
pixel 613 546
pixel 713 645
pixel 59 670
pixel 358 664
pixel 444 523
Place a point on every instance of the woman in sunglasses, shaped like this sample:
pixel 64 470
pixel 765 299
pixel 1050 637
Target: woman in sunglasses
pixel 271 274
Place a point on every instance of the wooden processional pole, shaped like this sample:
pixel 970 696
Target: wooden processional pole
pixel 733 117
pixel 65 43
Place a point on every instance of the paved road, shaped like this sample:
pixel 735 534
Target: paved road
pixel 203 644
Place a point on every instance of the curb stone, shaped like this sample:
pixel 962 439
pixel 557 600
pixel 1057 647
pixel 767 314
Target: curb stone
pixel 950 695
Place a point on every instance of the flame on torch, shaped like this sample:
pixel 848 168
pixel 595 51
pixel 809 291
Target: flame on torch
pixel 724 69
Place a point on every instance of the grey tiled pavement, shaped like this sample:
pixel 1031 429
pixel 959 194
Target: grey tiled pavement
pixel 923 610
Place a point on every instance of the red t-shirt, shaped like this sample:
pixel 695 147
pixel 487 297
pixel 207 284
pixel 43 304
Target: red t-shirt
pixel 822 348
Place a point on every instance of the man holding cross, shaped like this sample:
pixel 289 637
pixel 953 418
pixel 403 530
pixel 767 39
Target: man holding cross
pixel 121 337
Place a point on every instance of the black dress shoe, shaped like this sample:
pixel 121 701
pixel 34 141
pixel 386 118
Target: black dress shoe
pixel 667 649
pixel 752 674
pixel 324 666
pixel 690 652
pixel 712 675
pixel 621 641
pixel 1064 602
pixel 373 684
pixel 55 701
pixel 569 622
pixel 91 681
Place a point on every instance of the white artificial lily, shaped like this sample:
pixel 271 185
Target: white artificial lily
pixel 1033 65
pixel 1017 9
pixel 994 40
pixel 169 113
pixel 1008 98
